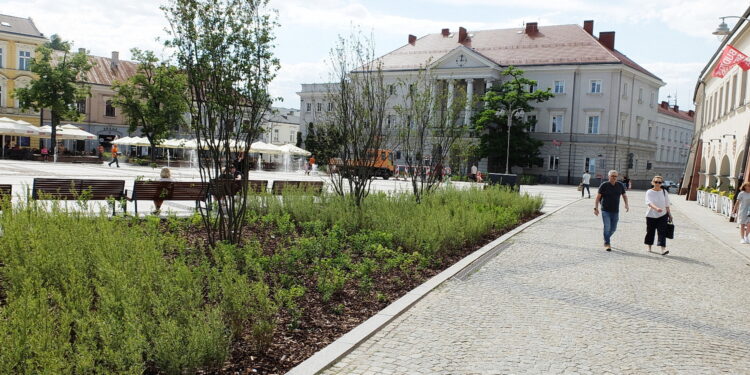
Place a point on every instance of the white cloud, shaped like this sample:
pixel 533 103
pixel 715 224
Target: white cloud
pixel 292 75
pixel 680 78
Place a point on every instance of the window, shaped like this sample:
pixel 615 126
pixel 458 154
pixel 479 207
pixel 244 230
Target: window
pixel 649 133
pixel 319 107
pixel 669 135
pixel 330 106
pixel 532 87
pixel 662 133
pixel 638 130
pixel 309 107
pixel 1 57
pixel 625 90
pixel 275 135
pixel 596 86
pixel 559 87
pixel 392 89
pixel 557 123
pixel 652 102
pixel 291 137
pixel 389 121
pixel 109 110
pixel 553 162
pixel 81 106
pixel 640 95
pixel 531 120
pixel 593 122
pixel 24 60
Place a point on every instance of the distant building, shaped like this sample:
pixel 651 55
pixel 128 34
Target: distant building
pixel 604 107
pixel 673 133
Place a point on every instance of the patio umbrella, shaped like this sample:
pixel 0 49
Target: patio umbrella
pixel 265 148
pixel 15 128
pixel 124 141
pixel 65 132
pixel 294 150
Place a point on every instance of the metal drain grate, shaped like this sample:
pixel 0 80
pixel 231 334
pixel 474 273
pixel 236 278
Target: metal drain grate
pixel 464 274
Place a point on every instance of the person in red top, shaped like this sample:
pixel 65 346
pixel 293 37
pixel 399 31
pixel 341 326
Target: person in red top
pixel 114 157
pixel 45 154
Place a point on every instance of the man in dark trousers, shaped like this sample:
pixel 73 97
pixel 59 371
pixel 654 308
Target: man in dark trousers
pixel 609 195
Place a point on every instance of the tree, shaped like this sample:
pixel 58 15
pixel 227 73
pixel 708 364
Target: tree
pixel 321 142
pixel 429 127
pixel 57 43
pixel 59 86
pixel 463 152
pixel 154 98
pixel 225 47
pixel 513 94
pixel 359 100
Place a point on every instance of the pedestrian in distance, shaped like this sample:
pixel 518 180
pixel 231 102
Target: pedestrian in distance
pixel 586 183
pixel 45 153
pixel 474 170
pixel 114 157
pixel 307 168
pixel 609 195
pixel 742 212
pixel 627 183
pixel 657 215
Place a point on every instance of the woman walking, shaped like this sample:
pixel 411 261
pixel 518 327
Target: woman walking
pixel 657 215
pixel 742 206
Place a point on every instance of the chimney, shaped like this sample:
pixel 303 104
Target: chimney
pixel 588 26
pixel 531 28
pixel 676 108
pixel 446 32
pixel 115 58
pixel 461 34
pixel 691 113
pixel 82 50
pixel 412 39
pixel 607 39
pixel 665 105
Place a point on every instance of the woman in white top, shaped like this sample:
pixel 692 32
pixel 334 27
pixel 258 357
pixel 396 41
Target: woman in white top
pixel 657 215
pixel 742 210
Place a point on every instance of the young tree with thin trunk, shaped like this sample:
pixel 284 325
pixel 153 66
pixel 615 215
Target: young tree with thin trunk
pixel 225 47
pixel 58 87
pixel 430 125
pixel 510 96
pixel 154 99
pixel 359 100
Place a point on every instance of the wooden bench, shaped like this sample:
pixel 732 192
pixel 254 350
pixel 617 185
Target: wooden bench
pixel 73 189
pixel 223 187
pixel 314 187
pixel 6 191
pixel 169 191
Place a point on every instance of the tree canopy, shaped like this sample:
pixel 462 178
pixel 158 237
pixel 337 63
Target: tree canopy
pixel 154 99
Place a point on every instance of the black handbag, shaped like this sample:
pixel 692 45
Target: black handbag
pixel 670 229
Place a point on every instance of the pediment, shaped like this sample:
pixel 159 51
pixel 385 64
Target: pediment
pixel 462 57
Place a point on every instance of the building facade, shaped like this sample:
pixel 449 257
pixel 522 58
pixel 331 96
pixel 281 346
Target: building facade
pixel 718 157
pixel 673 135
pixel 602 115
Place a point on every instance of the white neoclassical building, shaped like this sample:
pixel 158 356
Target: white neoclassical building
pixel 722 104
pixel 673 134
pixel 603 115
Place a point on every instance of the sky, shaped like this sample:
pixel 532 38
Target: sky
pixel 670 38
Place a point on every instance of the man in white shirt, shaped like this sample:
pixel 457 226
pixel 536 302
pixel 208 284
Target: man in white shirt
pixel 474 170
pixel 586 183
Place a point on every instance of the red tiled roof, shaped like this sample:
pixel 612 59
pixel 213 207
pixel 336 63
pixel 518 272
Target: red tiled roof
pixel 682 115
pixel 552 45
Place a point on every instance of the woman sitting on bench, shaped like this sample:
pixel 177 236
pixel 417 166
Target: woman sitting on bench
pixel 165 176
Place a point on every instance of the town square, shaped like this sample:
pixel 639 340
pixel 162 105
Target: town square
pixel 356 187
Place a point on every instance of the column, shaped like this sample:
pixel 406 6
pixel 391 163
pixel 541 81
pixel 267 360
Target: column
pixel 469 98
pixel 487 86
pixel 450 94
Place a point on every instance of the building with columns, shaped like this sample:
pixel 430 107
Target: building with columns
pixel 719 153
pixel 604 108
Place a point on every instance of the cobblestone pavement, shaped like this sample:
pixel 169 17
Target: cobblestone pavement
pixel 555 302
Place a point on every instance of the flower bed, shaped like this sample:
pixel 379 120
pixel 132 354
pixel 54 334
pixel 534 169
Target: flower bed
pixel 91 294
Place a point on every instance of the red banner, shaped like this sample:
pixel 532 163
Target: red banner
pixel 729 57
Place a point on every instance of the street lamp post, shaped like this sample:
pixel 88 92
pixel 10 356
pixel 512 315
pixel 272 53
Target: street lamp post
pixel 510 113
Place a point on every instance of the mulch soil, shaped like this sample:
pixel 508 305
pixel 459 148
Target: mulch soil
pixel 321 323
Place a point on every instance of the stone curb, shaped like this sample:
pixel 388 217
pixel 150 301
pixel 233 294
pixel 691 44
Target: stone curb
pixel 327 356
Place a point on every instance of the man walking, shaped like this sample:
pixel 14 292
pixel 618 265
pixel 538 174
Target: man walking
pixel 609 195
pixel 585 183
pixel 114 157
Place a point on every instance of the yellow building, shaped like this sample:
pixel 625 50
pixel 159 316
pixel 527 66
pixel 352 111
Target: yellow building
pixel 19 38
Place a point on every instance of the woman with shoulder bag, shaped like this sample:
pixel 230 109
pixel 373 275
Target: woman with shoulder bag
pixel 657 215
pixel 742 210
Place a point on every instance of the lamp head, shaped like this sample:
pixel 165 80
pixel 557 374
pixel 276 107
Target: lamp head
pixel 723 29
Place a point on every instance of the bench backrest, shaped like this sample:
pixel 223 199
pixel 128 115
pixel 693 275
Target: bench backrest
pixel 169 190
pixel 6 190
pixel 224 187
pixel 68 189
pixel 315 187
